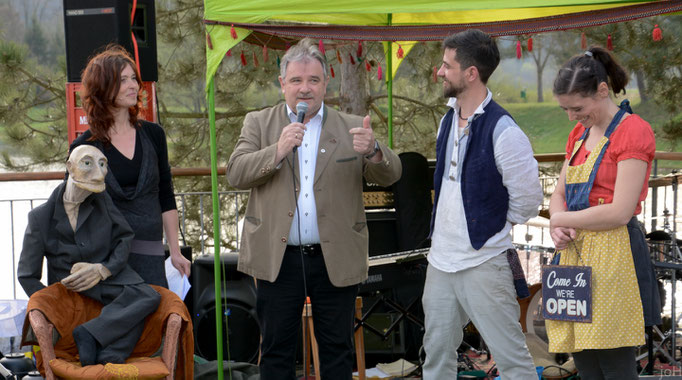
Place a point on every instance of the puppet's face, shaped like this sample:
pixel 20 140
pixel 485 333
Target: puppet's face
pixel 87 167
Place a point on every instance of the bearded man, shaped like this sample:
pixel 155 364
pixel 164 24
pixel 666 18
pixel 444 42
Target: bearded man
pixel 486 180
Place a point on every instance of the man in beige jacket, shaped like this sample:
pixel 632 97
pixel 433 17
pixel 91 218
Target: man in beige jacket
pixel 305 231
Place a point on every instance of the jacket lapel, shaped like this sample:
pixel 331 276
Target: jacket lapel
pixel 84 211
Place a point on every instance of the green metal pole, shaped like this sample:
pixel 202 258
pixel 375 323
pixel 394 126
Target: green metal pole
pixel 389 86
pixel 216 231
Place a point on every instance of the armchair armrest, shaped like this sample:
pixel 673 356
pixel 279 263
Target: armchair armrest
pixel 170 343
pixel 43 330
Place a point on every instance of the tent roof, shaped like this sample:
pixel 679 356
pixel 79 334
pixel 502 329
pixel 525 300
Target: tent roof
pixel 275 23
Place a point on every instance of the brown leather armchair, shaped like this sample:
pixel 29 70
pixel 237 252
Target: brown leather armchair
pixel 169 328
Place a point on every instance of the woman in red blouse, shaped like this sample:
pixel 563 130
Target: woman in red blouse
pixel 599 193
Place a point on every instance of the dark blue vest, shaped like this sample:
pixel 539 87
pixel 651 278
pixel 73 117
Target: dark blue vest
pixel 485 198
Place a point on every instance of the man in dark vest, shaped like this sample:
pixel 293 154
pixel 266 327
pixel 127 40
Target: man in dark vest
pixel 486 180
pixel 86 242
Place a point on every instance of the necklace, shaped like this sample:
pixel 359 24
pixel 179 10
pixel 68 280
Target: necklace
pixel 459 114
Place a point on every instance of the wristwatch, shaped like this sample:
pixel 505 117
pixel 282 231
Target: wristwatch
pixel 374 152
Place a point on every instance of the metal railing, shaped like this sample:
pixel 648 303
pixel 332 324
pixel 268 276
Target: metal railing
pixel 196 224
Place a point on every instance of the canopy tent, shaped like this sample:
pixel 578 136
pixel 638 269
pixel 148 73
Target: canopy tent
pixel 277 24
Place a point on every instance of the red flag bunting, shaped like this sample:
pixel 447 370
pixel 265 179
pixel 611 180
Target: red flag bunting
pixel 657 35
pixel 518 49
pixel 400 54
pixel 530 44
pixel 233 32
pixel 609 42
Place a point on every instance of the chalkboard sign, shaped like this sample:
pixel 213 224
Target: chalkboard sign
pixel 567 293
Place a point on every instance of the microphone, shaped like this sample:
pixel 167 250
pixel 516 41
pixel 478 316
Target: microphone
pixel 301 109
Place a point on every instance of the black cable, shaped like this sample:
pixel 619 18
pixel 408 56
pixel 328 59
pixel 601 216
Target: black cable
pixel 300 250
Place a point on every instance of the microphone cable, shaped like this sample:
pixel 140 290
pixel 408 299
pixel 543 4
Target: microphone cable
pixel 305 285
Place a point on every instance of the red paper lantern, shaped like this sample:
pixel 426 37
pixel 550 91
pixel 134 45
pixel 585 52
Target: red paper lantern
pixel 243 58
pixel 380 73
pixel 530 44
pixel 321 46
pixel 518 49
pixel 338 57
pixel 583 41
pixel 233 32
pixel 400 54
pixel 368 66
pixel 657 35
pixel 229 53
pixel 352 60
pixel 359 49
pixel 331 68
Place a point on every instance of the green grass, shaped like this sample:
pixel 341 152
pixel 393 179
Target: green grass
pixel 547 125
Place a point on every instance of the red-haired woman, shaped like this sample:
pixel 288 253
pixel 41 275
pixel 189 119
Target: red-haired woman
pixel 139 177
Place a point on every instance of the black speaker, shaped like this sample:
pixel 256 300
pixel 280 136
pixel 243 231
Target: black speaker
pixel 381 227
pixel 90 25
pixel 412 195
pixel 240 324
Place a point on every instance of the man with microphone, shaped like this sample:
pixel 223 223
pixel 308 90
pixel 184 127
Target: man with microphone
pixel 305 232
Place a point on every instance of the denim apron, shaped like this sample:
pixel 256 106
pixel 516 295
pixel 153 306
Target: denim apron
pixel 617 316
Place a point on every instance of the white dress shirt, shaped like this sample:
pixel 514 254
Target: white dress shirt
pixel 451 249
pixel 306 211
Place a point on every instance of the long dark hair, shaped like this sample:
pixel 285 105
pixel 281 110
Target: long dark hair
pixel 101 81
pixel 583 73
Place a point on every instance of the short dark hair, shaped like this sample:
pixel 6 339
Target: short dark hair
pixel 583 73
pixel 474 48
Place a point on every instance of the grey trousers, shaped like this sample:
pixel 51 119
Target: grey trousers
pixel 485 294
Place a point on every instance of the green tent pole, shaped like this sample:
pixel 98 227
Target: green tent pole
pixel 389 85
pixel 216 231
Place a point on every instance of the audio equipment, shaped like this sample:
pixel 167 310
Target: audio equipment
pixel 240 324
pixel 90 25
pixel 412 197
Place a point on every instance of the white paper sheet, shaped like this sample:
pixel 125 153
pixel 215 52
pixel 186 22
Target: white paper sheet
pixel 177 283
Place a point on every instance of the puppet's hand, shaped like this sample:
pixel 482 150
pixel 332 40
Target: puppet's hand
pixel 85 275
